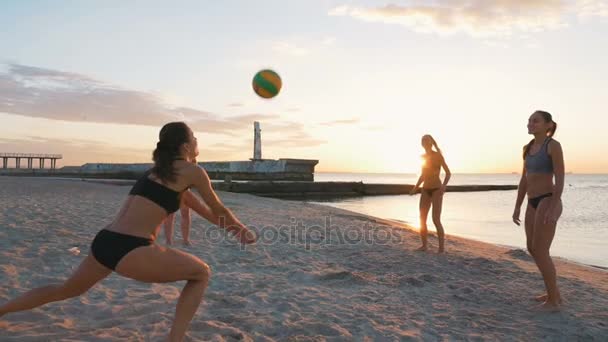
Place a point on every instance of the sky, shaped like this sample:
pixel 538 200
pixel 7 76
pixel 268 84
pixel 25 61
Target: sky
pixel 362 80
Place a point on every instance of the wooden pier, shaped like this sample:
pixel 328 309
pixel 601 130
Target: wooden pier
pixel 5 157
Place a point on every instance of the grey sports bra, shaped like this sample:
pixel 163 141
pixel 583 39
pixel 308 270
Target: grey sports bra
pixel 540 162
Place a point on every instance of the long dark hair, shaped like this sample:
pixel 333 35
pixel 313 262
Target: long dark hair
pixel 171 137
pixel 550 133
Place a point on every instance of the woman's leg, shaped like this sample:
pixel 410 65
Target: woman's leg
pixel 169 228
pixel 437 200
pixel 157 264
pixel 186 221
pixel 88 274
pixel 541 243
pixel 425 206
pixel 529 225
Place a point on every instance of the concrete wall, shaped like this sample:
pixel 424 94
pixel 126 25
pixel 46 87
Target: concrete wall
pixel 263 166
pixel 337 189
pixel 282 169
pixel 113 168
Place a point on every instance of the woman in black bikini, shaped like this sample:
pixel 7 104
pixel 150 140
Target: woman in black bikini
pixel 432 190
pixel 543 159
pixel 127 245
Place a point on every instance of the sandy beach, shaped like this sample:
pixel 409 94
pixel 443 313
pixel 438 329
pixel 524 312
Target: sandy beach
pixel 316 274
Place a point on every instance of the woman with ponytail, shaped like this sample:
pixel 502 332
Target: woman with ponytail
pixel 432 190
pixel 127 245
pixel 543 160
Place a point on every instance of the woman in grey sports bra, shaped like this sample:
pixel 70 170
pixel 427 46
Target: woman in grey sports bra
pixel 543 159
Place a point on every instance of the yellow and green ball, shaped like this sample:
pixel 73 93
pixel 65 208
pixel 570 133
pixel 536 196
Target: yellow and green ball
pixel 267 83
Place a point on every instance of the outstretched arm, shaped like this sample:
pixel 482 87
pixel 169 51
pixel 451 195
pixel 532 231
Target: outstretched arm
pixel 522 188
pixel 415 188
pixel 199 207
pixel 225 217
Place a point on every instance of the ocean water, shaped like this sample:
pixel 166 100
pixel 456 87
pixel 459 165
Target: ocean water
pixel 582 231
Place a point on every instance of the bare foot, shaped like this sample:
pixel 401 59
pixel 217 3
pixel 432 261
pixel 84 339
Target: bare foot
pixel 422 249
pixel 547 307
pixel 543 298
pixel 187 243
pixel 169 242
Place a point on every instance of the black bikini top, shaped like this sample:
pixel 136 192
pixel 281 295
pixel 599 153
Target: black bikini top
pixel 165 197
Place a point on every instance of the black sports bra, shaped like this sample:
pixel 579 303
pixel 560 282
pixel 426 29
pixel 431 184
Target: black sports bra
pixel 165 197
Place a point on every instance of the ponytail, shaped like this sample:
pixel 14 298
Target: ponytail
pixel 436 146
pixel 548 118
pixel 552 130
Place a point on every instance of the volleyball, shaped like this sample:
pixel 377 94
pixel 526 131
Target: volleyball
pixel 267 83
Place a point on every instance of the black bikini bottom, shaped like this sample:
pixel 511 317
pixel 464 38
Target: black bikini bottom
pixel 109 247
pixel 430 191
pixel 534 202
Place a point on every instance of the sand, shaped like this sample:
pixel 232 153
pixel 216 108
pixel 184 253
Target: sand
pixel 317 274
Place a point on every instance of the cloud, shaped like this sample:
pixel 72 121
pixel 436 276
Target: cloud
pixel 376 128
pixel 299 47
pixel 340 122
pixel 592 8
pixel 230 147
pixel 281 127
pixel 479 18
pixel 277 135
pixel 56 95
pixel 290 49
pixel 76 151
pixel 291 134
pixel 328 41
pixel 293 141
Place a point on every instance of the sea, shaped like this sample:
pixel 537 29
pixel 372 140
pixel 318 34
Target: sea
pixel 582 230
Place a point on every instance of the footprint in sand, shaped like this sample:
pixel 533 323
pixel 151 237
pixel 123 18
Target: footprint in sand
pixel 479 262
pixel 467 290
pixel 418 281
pixel 428 278
pixel 412 281
pixel 518 253
pixel 346 276
pixel 339 275
pixel 219 328
pixel 151 296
